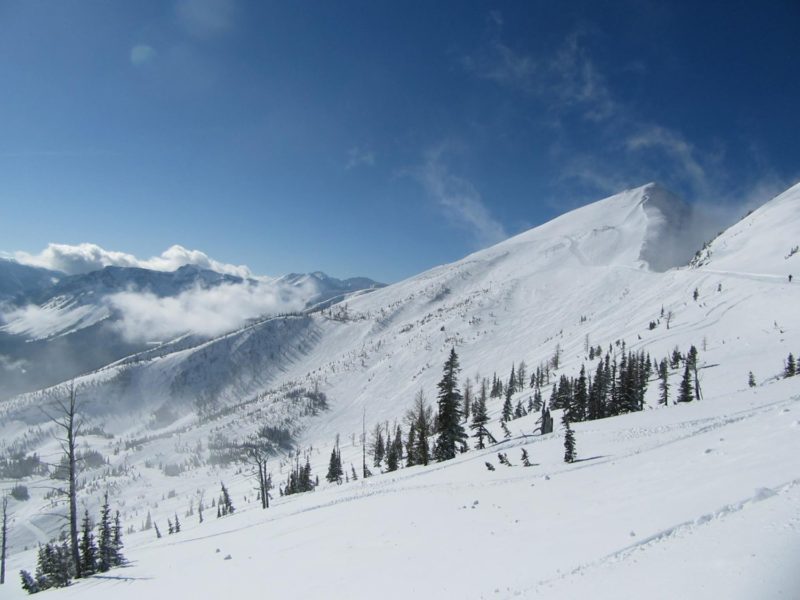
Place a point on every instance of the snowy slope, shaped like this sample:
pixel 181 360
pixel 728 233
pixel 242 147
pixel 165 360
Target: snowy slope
pixel 594 275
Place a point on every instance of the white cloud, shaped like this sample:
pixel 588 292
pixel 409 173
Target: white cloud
pixel 83 258
pixel 459 200
pixel 203 311
pixel 141 54
pixel 565 79
pixel 206 18
pixel 357 157
pixel 676 147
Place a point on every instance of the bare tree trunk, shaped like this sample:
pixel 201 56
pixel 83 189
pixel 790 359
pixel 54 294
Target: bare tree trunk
pixel 5 541
pixel 69 422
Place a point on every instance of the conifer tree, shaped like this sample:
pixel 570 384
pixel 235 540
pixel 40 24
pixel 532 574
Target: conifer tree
pixel 751 379
pixel 104 549
pixel 791 366
pixel 569 443
pixel 335 465
pixel 451 433
pixel 88 548
pixel 506 430
pixel 480 418
pixel 116 541
pixel 177 524
pixel 526 461
pixel 170 527
pixel 420 418
pixel 411 444
pixel 508 409
pixel 158 533
pixel 378 446
pixel 225 505
pixel 663 373
pixel 685 391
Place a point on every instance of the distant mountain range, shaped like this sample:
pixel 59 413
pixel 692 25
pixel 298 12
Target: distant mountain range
pixel 54 326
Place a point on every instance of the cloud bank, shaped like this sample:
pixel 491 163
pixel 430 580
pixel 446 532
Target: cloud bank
pixel 84 258
pixel 202 311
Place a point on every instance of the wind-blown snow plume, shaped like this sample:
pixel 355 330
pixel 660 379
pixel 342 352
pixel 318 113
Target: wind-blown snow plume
pixel 202 311
pixel 84 258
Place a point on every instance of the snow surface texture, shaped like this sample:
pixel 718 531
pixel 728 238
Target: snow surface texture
pixel 693 501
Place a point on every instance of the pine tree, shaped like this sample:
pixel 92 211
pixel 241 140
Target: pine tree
pixel 663 373
pixel 158 533
pixel 148 523
pixel 177 524
pixel 104 538
pixel 451 433
pixel 508 409
pixel 526 461
pixel 335 466
pixel 88 548
pixel 480 417
pixel 378 446
pixel 685 392
pixel 170 527
pixel 751 379
pixel 116 541
pixel 392 460
pixel 506 430
pixel 420 418
pixel 791 366
pixel 569 443
pixel 225 505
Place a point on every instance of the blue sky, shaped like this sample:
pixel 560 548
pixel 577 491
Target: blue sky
pixel 378 138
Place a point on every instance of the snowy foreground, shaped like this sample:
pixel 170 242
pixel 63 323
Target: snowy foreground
pixel 692 501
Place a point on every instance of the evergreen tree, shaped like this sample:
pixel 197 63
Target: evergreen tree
pixel 663 373
pixel 751 379
pixel 392 459
pixel 397 443
pixel 225 505
pixel 451 433
pixel 506 430
pixel 104 549
pixel 170 527
pixel 526 462
pixel 512 381
pixel 685 391
pixel 411 444
pixel 116 541
pixel 177 524
pixel 791 366
pixel 480 417
pixel 335 465
pixel 158 533
pixel 378 446
pixel 88 548
pixel 508 409
pixel 577 408
pixel 569 443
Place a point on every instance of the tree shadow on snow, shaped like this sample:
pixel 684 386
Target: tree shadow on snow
pixel 577 460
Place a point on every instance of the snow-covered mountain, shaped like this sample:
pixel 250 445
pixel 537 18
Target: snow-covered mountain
pixel 55 326
pixel 612 274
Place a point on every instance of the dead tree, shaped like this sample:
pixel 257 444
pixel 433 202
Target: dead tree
pixel 65 416
pixel 256 451
pixel 5 541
